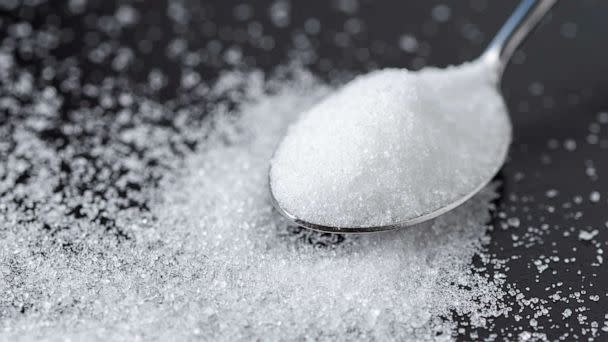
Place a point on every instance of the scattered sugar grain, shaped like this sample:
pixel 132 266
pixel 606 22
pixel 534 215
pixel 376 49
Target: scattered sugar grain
pixel 513 222
pixel 551 193
pixel 408 43
pixel 587 235
pixel 594 196
pixel 441 13
pixel 570 144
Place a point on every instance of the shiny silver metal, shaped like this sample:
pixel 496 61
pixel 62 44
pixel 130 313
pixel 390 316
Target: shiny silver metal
pixel 524 18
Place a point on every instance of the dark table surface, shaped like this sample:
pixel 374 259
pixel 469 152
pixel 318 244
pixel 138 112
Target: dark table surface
pixel 556 89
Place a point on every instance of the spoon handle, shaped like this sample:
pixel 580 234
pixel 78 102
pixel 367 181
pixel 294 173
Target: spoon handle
pixel 527 14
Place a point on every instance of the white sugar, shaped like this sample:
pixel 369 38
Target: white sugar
pixel 127 217
pixel 587 235
pixel 392 145
pixel 396 283
pixel 217 263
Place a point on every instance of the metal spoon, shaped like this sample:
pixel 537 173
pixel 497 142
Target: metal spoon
pixel 525 17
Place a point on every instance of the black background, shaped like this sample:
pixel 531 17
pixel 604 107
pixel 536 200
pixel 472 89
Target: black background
pixel 568 55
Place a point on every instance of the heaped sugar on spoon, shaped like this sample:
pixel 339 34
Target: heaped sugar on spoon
pixel 394 147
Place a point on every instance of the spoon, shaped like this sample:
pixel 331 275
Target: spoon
pixel 495 58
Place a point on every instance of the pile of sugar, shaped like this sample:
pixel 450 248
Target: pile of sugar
pixel 393 145
pixel 86 254
pixel 216 262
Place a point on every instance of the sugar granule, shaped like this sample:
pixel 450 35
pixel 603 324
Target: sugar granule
pixel 393 145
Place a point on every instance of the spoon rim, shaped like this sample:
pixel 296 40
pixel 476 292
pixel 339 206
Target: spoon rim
pixel 434 213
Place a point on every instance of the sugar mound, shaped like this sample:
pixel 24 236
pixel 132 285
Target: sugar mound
pixel 215 262
pixel 392 145
pixel 265 279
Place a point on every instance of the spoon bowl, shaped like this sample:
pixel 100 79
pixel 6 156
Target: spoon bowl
pixel 493 61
